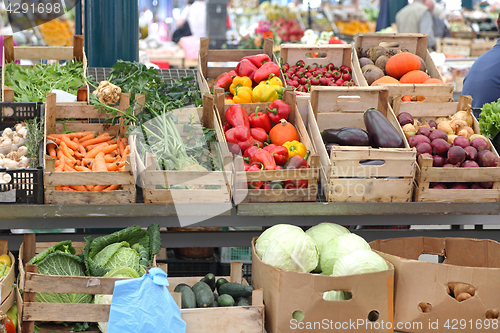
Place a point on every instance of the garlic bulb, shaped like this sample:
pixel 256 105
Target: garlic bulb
pixel 2 161
pixel 16 140
pixel 8 132
pixel 24 162
pixel 23 132
pixel 13 156
pixel 2 156
pixel 18 126
pixel 6 142
pixel 22 151
pixel 11 164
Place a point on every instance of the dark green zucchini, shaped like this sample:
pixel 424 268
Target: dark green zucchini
pixel 220 282
pixel 226 300
pixel 204 295
pixel 236 290
pixel 210 280
pixel 382 133
pixel 188 298
pixel 243 301
pixel 346 136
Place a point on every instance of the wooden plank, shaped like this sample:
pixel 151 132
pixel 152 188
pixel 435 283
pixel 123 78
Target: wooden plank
pixel 419 110
pixel 8 42
pixel 450 195
pixel 29 247
pixel 65 312
pixel 43 52
pixel 295 174
pixel 224 320
pixel 187 196
pixel 338 54
pixel 236 272
pixel 40 283
pixel 82 127
pixel 85 198
pixel 370 190
pixel 184 178
pixel 213 72
pixel 42 246
pixel 230 55
pixel 8 93
pixel 88 178
pixel 78 48
pixel 460 174
pixel 4 246
pixel 281 195
pixel 28 297
pixel 50 113
pixel 391 168
pixel 81 111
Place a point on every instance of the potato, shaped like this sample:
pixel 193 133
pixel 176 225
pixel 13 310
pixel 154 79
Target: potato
pixel 492 314
pixel 425 307
pixel 463 297
pixel 448 291
pixel 464 288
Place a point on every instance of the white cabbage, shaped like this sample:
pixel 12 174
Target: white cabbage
pixel 270 234
pixel 323 233
pixel 359 262
pixel 339 247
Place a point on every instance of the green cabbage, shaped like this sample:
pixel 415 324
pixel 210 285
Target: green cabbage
pixel 323 233
pixel 334 295
pixel 337 248
pixel 270 234
pixel 359 262
pixel 293 251
pixel 60 259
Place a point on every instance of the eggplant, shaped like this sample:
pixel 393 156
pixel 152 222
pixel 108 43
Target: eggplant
pixel 372 162
pixel 382 133
pixel 346 136
pixel 329 146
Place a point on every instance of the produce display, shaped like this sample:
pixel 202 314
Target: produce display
pixel 31 84
pixel 353 27
pixel 302 77
pixel 254 80
pixel 5 265
pixel 210 292
pixel 88 152
pixel 57 32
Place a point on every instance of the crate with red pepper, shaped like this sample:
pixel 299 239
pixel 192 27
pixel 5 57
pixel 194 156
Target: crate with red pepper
pixel 302 72
pixel 254 65
pixel 364 155
pixel 275 160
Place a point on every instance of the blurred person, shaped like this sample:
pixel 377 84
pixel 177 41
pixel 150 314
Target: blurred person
pixel 195 15
pixel 440 27
pixel 482 82
pixel 416 18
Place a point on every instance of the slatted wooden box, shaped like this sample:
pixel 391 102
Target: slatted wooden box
pixel 76 118
pixel 240 191
pixel 36 53
pixel 7 291
pixel 345 176
pixel 207 74
pixel 414 43
pixel 209 186
pixel 427 174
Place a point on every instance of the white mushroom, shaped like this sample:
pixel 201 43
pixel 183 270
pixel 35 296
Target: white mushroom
pixel 22 151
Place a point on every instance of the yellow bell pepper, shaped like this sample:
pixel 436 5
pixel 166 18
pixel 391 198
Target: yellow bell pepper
pixel 274 81
pixel 240 81
pixel 295 148
pixel 242 95
pixel 228 101
pixel 265 93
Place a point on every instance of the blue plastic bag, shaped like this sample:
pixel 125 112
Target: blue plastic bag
pixel 144 305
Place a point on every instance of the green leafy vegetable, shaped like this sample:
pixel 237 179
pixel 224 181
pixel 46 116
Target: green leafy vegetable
pixel 60 259
pixel 33 84
pixel 489 122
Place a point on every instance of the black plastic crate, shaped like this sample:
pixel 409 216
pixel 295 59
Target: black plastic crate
pixel 190 267
pixel 25 185
pixel 225 270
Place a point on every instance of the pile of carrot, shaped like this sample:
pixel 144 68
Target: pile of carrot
pixel 88 151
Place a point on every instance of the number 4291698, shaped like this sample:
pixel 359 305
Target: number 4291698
pixel 40 8
pixel 462 324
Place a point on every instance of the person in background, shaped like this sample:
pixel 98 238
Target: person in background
pixel 440 27
pixel 416 18
pixel 482 82
pixel 195 14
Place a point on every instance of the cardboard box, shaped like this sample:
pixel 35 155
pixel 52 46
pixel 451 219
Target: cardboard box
pixel 286 292
pixel 472 261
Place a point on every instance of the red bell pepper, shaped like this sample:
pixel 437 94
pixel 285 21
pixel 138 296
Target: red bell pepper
pixel 270 147
pixel 241 137
pixel 280 154
pixel 255 184
pixel 236 115
pixel 296 162
pixel 264 157
pixel 260 120
pixel 249 152
pixel 258 59
pixel 246 68
pixel 223 81
pixel 265 71
pixel 260 135
pixel 227 126
pixel 278 110
pixel 233 74
pixel 246 166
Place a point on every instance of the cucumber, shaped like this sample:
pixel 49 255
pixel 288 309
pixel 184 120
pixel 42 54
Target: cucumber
pixel 236 290
pixel 204 295
pixel 210 280
pixel 216 297
pixel 188 298
pixel 226 300
pixel 243 301
pixel 220 282
pixel 215 304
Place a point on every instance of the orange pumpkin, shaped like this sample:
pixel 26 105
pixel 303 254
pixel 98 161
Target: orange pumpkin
pixel 283 132
pixel 416 76
pixel 434 81
pixel 385 79
pixel 402 63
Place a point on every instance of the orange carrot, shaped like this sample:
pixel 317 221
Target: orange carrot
pixel 109 159
pixel 60 168
pixel 51 148
pixel 87 162
pixel 125 141
pixel 78 155
pixel 81 168
pixel 68 142
pixel 89 187
pixel 93 153
pixel 121 145
pixel 100 164
pixel 99 187
pixel 68 168
pixel 109 149
pixel 122 168
pixel 125 153
pixel 53 137
pixel 111 188
pixel 87 137
pixel 99 139
pixel 58 163
pixel 112 166
pixel 67 188
pixel 58 188
pixel 66 151
pixel 79 188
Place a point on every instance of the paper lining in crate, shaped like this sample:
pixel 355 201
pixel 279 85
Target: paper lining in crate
pixel 337 54
pixel 344 177
pixel 59 111
pixel 209 186
pixel 414 43
pixel 240 190
pixel 7 292
pixel 12 53
pixel 206 75
pixel 247 319
pixel 427 174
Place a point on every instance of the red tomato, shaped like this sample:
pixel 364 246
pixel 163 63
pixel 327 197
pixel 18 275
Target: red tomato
pixel 9 326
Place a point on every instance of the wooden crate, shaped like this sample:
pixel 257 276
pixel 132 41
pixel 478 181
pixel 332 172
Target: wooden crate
pixel 149 178
pixel 338 54
pixel 240 190
pixel 248 319
pixel 52 179
pixel 12 53
pixel 343 177
pixel 481 46
pixel 427 174
pixel 7 292
pixel 414 43
pixel 206 74
pixel 454 46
